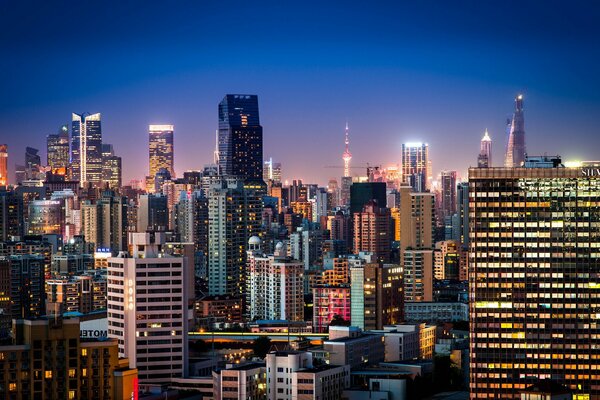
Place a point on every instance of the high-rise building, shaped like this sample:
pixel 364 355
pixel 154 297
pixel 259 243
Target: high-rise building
pixel 86 148
pixel 463 212
pixel 27 280
pixel 534 277
pixel 104 223
pixel 515 148
pixel 275 284
pixel 373 231
pixel 447 195
pixel 416 166
pixel 111 167
pixel 152 213
pixel 484 160
pixel 417 220
pixel 272 171
pixel 376 297
pixel 11 215
pixel 363 192
pixel 3 165
pixel 233 217
pixel 330 302
pixel 57 147
pixel 161 150
pixel 147 308
pixel 240 137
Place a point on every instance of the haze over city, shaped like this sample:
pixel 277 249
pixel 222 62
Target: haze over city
pixel 428 72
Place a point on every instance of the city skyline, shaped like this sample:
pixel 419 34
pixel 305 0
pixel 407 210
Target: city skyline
pixel 387 77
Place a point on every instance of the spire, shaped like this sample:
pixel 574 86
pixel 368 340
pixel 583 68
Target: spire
pixel 515 149
pixel 216 152
pixel 486 136
pixel 347 156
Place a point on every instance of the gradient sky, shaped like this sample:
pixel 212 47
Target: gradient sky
pixel 422 71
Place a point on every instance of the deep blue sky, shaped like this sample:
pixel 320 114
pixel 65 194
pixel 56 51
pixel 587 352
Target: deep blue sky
pixel 426 71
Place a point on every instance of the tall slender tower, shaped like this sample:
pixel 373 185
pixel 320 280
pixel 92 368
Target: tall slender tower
pixel 515 149
pixel 347 155
pixel 484 160
pixel 86 148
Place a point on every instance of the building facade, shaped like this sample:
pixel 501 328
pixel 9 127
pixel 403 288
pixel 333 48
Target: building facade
pixel 533 279
pixel 86 148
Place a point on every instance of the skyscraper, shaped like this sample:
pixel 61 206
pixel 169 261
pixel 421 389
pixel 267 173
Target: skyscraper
pixel 534 278
pixel 57 147
pixel 447 194
pixel 347 156
pixel 161 150
pixel 372 231
pixel 86 148
pixel 240 137
pixel 233 217
pixel 515 149
pixel 416 169
pixel 147 306
pixel 3 165
pixel 484 160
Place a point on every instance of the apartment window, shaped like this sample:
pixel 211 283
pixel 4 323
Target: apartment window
pixel 48 374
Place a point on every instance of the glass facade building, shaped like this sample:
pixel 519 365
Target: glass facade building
pixel 534 278
pixel 161 149
pixel 416 167
pixel 58 150
pixel 240 137
pixel 86 148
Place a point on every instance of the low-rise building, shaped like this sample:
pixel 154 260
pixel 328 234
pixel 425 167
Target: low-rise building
pixel 432 312
pixel 357 349
pixel 246 381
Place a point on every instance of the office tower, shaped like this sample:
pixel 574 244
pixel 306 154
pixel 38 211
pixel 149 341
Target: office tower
pixel 416 168
pixel 417 223
pixel 484 160
pixel 27 277
pixel 449 260
pixel 11 215
pixel 152 213
pixel 161 150
pixel 275 284
pixel 147 308
pixel 515 148
pixel 57 147
pixel 3 165
pixel 86 148
pixel 104 223
pixel 111 167
pixel 306 245
pixel 272 171
pixel 376 297
pixel 191 220
pixel 329 302
pixel 447 195
pixel 233 217
pixel 46 217
pixel 363 192
pixel 372 231
pixel 534 278
pixel 54 363
pixel 339 227
pixel 321 205
pixel 240 137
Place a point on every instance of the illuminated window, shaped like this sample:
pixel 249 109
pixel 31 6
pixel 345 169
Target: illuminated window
pixel 12 387
pixel 84 372
pixel 71 394
pixel 71 373
pixel 84 352
pixel 48 375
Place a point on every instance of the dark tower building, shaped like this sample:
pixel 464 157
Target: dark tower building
pixel 240 137
pixel 86 148
pixel 363 192
pixel 515 149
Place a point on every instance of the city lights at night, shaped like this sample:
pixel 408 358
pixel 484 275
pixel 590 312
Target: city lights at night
pixel 318 200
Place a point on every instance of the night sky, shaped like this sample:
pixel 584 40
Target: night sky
pixel 423 71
